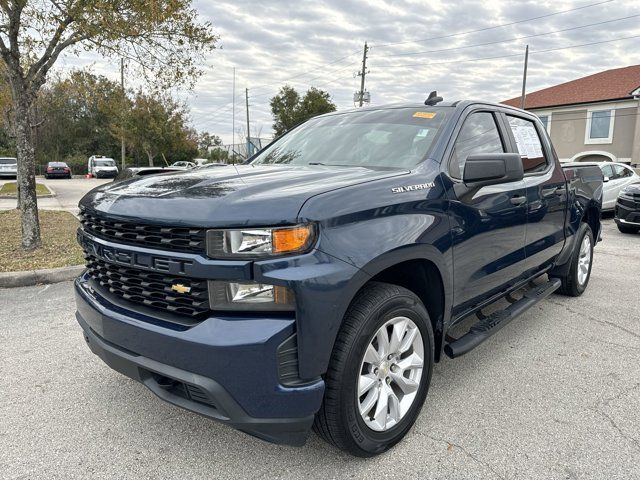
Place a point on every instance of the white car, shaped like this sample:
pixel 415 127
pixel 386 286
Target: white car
pixel 616 177
pixel 183 165
pixel 102 167
pixel 8 167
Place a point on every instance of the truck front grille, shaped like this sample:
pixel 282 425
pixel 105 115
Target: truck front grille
pixel 178 239
pixel 151 289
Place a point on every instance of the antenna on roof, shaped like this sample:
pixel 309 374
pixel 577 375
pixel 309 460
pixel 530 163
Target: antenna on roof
pixel 433 99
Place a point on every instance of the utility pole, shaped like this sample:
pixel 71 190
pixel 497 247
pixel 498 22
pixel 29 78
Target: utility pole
pixel 524 78
pixel 362 73
pixel 123 151
pixel 233 118
pixel 249 149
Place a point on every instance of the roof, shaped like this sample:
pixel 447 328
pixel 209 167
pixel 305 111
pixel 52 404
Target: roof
pixel 615 84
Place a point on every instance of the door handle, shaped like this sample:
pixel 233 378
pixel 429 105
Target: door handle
pixel 518 200
pixel 550 192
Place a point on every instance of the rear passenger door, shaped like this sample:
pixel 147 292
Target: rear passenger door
pixel 487 222
pixel 546 192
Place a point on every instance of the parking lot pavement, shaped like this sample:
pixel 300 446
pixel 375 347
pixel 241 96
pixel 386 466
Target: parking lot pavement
pixel 68 193
pixel 555 394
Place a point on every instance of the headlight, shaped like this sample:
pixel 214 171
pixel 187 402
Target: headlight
pixel 259 242
pixel 249 296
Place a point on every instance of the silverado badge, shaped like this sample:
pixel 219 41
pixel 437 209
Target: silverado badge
pixel 178 287
pixel 413 188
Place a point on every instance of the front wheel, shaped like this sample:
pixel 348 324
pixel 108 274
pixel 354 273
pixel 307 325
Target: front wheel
pixel 575 281
pixel 379 371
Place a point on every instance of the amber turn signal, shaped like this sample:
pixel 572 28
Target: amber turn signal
pixel 294 239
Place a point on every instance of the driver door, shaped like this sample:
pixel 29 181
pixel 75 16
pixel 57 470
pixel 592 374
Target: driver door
pixel 488 223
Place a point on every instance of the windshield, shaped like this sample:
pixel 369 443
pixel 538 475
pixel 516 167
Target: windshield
pixel 394 138
pixel 7 161
pixel 105 163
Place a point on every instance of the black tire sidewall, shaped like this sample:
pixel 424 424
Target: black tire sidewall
pixel 625 229
pixel 370 441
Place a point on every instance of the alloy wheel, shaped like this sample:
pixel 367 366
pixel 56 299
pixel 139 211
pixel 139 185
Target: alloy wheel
pixel 390 373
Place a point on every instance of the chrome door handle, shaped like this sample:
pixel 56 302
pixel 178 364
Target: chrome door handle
pixel 518 200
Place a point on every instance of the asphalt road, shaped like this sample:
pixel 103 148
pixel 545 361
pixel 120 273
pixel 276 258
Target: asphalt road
pixel 67 193
pixel 554 395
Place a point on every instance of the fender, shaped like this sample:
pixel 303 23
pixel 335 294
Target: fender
pixel 382 263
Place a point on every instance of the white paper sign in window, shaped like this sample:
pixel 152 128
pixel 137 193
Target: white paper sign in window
pixel 529 144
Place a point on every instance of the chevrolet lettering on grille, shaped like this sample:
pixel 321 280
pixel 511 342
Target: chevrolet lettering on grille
pixel 133 259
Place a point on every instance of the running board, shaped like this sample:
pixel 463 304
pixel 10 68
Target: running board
pixel 486 327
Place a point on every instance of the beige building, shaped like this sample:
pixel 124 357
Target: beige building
pixel 594 118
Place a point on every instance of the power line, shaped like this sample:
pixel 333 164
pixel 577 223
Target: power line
pixel 506 40
pixel 305 72
pixel 307 82
pixel 507 56
pixel 493 27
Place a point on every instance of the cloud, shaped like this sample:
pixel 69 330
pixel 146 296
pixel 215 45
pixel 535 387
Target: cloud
pixel 277 42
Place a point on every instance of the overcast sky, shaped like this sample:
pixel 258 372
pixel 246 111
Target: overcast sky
pixel 319 43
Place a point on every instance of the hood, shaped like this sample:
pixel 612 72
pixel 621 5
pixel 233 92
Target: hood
pixel 229 196
pixel 105 167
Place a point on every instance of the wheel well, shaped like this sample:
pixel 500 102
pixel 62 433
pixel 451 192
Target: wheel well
pixel 422 278
pixel 591 217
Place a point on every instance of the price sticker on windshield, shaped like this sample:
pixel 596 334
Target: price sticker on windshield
pixel 424 115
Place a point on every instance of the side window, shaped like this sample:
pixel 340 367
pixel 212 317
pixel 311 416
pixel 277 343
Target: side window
pixel 478 135
pixel 607 171
pixel 529 144
pixel 622 172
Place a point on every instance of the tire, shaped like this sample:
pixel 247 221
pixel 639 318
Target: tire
pixel 627 229
pixel 573 283
pixel 339 420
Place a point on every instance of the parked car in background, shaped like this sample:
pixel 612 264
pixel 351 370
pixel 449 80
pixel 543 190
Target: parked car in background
pixel 183 165
pixel 57 170
pixel 102 167
pixel 616 177
pixel 131 172
pixel 211 165
pixel 628 209
pixel 8 167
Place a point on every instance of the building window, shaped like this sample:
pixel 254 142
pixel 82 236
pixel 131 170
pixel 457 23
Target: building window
pixel 545 121
pixel 599 126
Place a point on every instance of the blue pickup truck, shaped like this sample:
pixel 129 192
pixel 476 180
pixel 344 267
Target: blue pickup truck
pixel 316 285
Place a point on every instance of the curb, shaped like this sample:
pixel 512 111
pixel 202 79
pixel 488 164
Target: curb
pixel 36 277
pixel 15 197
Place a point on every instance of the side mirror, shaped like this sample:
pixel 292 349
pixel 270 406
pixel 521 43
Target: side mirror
pixel 492 169
pixel 605 179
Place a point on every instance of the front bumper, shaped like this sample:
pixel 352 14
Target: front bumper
pixel 107 174
pixel 222 368
pixel 627 212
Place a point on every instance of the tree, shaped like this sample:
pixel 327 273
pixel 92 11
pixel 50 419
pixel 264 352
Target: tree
pixel 157 125
pixel 163 38
pixel 80 115
pixel 289 110
pixel 205 142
